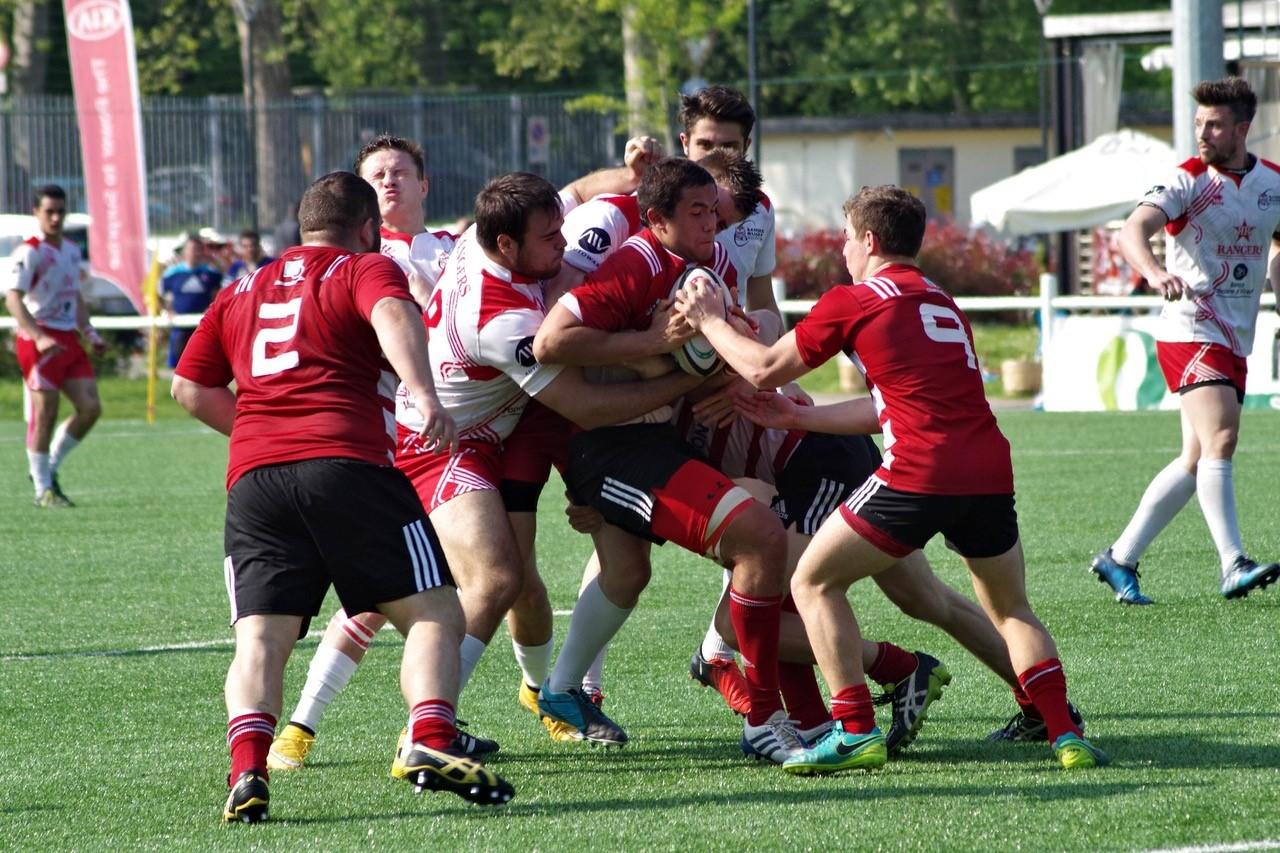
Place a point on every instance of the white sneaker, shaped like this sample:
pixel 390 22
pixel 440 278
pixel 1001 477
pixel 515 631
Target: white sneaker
pixel 774 740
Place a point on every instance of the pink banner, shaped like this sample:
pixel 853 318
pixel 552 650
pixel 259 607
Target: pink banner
pixel 109 114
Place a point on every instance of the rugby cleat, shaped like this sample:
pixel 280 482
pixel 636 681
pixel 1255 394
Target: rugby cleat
pixel 776 739
pixel 50 499
pixel 1245 576
pixel 815 734
pixel 432 769
pixel 839 751
pixel 560 732
pixel 911 698
pixel 528 698
pixel 1122 579
pixel 289 749
pixel 57 490
pixel 1024 727
pixel 1076 753
pixel 594 695
pixel 469 744
pixel 248 800
pixel 725 677
pixel 584 720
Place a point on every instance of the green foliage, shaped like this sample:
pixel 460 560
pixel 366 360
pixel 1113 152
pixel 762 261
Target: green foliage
pixel 186 47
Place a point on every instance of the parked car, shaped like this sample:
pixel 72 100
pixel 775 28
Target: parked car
pixel 181 197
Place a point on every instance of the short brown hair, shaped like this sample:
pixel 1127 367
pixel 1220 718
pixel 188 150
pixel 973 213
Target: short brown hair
pixel 738 175
pixel 719 103
pixel 895 216
pixel 336 205
pixel 387 142
pixel 665 181
pixel 1233 92
pixel 506 203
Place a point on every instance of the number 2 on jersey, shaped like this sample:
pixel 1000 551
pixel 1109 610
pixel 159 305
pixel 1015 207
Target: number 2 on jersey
pixel 930 314
pixel 266 365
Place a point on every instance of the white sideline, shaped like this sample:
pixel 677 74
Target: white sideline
pixel 1236 847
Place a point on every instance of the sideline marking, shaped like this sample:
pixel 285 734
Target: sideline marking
pixel 1237 847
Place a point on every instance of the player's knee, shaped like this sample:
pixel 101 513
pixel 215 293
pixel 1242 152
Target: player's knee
pixel 88 411
pixel 757 533
pixel 1220 444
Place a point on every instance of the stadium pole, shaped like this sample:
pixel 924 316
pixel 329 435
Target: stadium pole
pixel 753 92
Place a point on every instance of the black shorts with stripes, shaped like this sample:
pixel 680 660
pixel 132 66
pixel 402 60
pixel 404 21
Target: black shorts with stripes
pixel 293 529
pixel 821 473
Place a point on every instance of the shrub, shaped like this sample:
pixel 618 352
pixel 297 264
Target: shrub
pixel 964 263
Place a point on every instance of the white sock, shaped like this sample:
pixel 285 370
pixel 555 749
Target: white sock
pixel 594 679
pixel 41 474
pixel 535 662
pixel 470 651
pixel 63 443
pixel 1218 503
pixel 594 621
pixel 329 672
pixel 713 645
pixel 1164 498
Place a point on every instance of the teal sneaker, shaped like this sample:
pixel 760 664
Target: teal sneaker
pixel 575 709
pixel 838 751
pixel 1076 753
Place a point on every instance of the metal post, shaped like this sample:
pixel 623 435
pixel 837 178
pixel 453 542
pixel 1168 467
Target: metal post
pixel 515 127
pixel 1197 56
pixel 248 10
pixel 214 126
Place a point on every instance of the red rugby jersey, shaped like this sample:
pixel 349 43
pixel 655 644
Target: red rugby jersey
pixel 916 349
pixel 310 377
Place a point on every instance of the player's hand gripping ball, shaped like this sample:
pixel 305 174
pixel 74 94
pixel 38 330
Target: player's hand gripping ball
pixel 697 356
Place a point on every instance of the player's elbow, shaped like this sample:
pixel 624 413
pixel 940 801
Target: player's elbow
pixel 185 393
pixel 545 350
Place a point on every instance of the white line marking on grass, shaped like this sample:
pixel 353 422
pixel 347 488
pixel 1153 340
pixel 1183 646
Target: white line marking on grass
pixel 193 645
pixel 1237 847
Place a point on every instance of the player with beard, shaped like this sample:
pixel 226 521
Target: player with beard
pixel 1220 213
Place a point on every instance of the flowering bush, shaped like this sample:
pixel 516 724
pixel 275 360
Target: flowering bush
pixel 963 263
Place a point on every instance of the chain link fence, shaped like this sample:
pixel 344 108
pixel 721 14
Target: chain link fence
pixel 201 172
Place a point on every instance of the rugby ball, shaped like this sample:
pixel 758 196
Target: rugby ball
pixel 697 356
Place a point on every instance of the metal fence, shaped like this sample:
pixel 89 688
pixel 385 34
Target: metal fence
pixel 200 169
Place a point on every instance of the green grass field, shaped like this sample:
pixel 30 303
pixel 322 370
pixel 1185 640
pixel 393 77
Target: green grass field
pixel 113 655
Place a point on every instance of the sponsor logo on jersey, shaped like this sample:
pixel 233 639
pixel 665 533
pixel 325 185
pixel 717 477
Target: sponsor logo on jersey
pixel 1159 190
pixel 524 353
pixel 745 233
pixel 1266 199
pixel 1244 231
pixel 595 240
pixel 1234 251
pixel 1239 271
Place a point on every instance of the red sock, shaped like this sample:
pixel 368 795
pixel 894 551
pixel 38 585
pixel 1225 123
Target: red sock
pixel 892 664
pixel 249 738
pixel 755 621
pixel 431 722
pixel 801 694
pixel 852 707
pixel 1046 685
pixel 1024 702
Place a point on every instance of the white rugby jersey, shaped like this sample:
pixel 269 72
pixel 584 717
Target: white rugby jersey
pixel 480 326
pixel 1217 240
pixel 49 278
pixel 593 229
pixel 751 245
pixel 424 253
pixel 740 449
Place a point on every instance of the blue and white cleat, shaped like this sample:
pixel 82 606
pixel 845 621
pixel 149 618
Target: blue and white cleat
pixel 776 739
pixel 1121 578
pixel 1245 576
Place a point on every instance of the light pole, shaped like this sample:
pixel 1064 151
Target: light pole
pixel 247 10
pixel 752 93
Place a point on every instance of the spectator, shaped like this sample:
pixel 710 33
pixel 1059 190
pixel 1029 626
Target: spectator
pixel 287 233
pixel 188 287
pixel 249 255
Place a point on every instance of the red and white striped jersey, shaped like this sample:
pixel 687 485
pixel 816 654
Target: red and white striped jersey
pixel 624 291
pixel 424 253
pixel 595 228
pixel 1217 240
pixel 310 378
pixel 750 245
pixel 49 278
pixel 480 326
pixel 740 449
pixel 916 349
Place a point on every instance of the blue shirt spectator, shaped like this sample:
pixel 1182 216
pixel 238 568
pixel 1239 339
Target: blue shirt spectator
pixel 249 255
pixel 188 288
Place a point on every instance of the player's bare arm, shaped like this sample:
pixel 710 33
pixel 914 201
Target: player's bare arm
pixel 398 325
pixel 86 328
pixel 762 366
pixel 760 295
pixel 564 339
pixel 596 405
pixel 777 411
pixel 1135 244
pixel 640 153
pixel 1273 269
pixel 45 344
pixel 214 407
